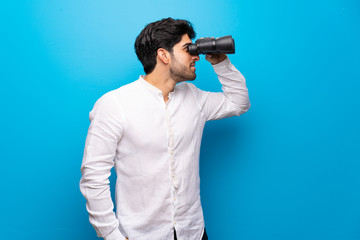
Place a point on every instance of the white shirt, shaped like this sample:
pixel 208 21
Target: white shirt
pixel 155 149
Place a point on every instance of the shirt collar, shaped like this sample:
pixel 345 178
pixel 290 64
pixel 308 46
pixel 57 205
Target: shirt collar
pixel 152 88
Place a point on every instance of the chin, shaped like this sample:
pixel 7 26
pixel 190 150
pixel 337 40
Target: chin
pixel 193 77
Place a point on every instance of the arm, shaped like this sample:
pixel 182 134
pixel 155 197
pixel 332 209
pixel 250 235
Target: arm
pixel 103 135
pixel 233 101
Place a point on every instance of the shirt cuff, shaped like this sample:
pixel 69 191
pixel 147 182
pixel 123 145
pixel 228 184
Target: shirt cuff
pixel 115 235
pixel 222 66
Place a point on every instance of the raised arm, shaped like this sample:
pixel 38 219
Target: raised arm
pixel 234 98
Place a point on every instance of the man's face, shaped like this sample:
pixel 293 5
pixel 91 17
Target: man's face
pixel 182 63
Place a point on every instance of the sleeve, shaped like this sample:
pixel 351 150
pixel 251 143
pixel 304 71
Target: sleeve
pixel 104 133
pixel 233 101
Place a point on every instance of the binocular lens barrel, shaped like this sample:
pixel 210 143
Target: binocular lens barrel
pixel 212 46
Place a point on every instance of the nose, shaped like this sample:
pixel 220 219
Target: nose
pixel 195 57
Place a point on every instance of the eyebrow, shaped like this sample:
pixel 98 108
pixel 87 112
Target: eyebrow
pixel 186 45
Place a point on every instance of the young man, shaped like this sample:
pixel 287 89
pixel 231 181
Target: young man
pixel 151 131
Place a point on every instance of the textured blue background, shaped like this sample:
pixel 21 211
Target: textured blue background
pixel 287 169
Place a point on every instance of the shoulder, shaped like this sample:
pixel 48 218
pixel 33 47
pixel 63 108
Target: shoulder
pixel 113 100
pixel 117 95
pixel 189 87
pixel 185 87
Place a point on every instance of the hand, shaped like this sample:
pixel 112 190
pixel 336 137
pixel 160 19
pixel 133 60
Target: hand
pixel 215 58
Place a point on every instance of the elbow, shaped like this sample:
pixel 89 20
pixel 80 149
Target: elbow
pixel 247 107
pixel 242 108
pixel 93 182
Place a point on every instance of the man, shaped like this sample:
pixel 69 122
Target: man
pixel 151 131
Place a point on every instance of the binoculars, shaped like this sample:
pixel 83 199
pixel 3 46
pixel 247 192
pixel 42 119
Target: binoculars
pixel 210 45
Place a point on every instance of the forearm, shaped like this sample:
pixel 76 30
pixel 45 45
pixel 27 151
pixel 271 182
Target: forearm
pixel 99 204
pixel 233 86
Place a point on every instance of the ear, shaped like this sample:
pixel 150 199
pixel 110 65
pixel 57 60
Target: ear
pixel 163 55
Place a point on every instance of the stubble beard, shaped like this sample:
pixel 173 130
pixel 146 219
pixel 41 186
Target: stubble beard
pixel 180 72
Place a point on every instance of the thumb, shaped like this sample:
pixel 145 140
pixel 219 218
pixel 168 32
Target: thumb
pixel 208 57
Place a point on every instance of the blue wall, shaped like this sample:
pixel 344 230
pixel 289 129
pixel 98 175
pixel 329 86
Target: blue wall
pixel 287 169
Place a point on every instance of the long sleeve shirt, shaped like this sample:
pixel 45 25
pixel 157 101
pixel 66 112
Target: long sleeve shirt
pixel 154 147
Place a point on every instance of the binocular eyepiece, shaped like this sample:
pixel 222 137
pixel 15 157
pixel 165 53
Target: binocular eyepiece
pixel 210 45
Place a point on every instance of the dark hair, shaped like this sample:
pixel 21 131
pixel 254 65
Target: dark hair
pixel 160 34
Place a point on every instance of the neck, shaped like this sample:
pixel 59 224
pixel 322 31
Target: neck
pixel 161 81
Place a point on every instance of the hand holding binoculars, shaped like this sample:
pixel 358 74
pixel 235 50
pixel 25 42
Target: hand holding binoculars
pixel 210 45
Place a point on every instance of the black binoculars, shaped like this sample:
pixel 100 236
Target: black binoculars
pixel 210 45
